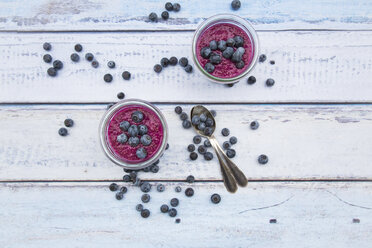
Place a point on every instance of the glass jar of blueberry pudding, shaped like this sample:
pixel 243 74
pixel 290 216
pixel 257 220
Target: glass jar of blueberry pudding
pixel 133 134
pixel 225 48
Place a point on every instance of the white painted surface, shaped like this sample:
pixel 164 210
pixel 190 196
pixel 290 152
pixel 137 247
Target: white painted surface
pixel 25 15
pixel 310 67
pixel 302 142
pixel 87 215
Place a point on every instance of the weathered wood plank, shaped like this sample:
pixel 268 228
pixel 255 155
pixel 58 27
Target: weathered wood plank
pixel 302 142
pixel 23 15
pixel 81 215
pixel 310 67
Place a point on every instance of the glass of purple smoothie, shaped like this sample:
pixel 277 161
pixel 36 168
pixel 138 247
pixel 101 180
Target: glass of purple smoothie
pixel 222 27
pixel 133 134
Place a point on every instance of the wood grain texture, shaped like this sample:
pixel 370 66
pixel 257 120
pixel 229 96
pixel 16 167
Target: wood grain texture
pixel 81 215
pixel 310 67
pixel 23 15
pixel 302 142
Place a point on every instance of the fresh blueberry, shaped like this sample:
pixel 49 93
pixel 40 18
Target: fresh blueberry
pixel 208 131
pixel 206 52
pixel 215 59
pixel 145 213
pixel 154 168
pixel 139 207
pixel 124 125
pixel 215 198
pixel 110 105
pixel 164 208
pixel 174 202
pixel 193 156
pixel 238 54
pixel 201 126
pixel 183 116
pixel 213 112
pixel 169 6
pixel 137 116
pixel 207 143
pixel 209 122
pixel 191 147
pixel 235 4
pixel 213 45
pixel 142 129
pixel 127 170
pixel 186 124
pixel 167 147
pixel 133 176
pixel 47 46
pixel 189 192
pixel 119 195
pixel 178 189
pixel 126 75
pixel 126 178
pixel 203 117
pixel 197 139
pixel 47 58
pixel 146 140
pixel 160 188
pixel 89 56
pixel 263 159
pixel 178 110
pixel 226 145
pixel 114 187
pixel 272 62
pixel 78 48
pixel 222 45
pixel 133 141
pixel 146 169
pixel 183 62
pixel 141 153
pixel 195 120
pixel 124 189
pixel 233 140
pixel 230 42
pixel 230 85
pixel 225 132
pixel 239 41
pixel 164 62
pixel 172 212
pixel 202 150
pixel 251 80
pixel 188 68
pixel 133 131
pixel 254 125
pixel 173 60
pixel 270 82
pixel 62 131
pixel 69 122
pixel 229 51
pixel 178 220
pixel 122 138
pixel 262 58
pixel 153 17
pixel 208 156
pixel 240 64
pixel 272 221
pixel 120 95
pixel 145 187
pixel 145 198
pixel 95 63
pixel 57 64
pixel 230 153
pixel 176 7
pixel 209 67
pixel 111 64
pixel 158 68
pixel 165 15
pixel 107 78
pixel 75 57
pixel 138 182
pixel 190 179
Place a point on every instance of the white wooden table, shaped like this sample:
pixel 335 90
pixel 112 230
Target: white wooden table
pixel 315 126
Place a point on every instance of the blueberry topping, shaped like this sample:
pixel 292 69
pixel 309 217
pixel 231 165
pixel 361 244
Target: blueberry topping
pixel 195 120
pixel 270 82
pixel 254 125
pixel 62 131
pixel 209 122
pixel 178 189
pixel 183 61
pixel 169 6
pixel 126 178
pixel 145 198
pixel 164 208
pixel 176 7
pixel 164 62
pixel 225 132
pixel 183 116
pixel 173 60
pixel 95 64
pixel 137 116
pixel 120 95
pixel 213 45
pixel 69 122
pixel 201 126
pixel 141 153
pixel 239 41
pixel 114 187
pixel 230 42
pixel 213 112
pixel 47 46
pixel 158 68
pixel 203 117
pixel 145 187
pixel 251 80
pixel 197 139
pixel 205 52
pixel 186 124
pixel 215 198
pixel 172 212
pixel 240 64
pixel 208 131
pixel 139 207
pixel 119 195
pixel 190 179
pixel 222 45
pixel 229 51
pixel 174 202
pixel 89 56
pixel 207 143
pixel 165 15
pixel 272 62
pixel 202 150
pixel 133 131
pixel 154 168
pixel 145 213
pixel 57 64
pixel 75 57
pixel 142 129
pixel 191 147
pixel 230 153
pixel 153 17
pixel 209 67
pixel 233 140
pixel 215 59
pixel 133 141
pixel 47 58
pixel 235 4
pixel 124 189
pixel 193 156
pixel 146 140
pixel 262 58
pixel 263 159
pixel 226 145
pixel 107 78
pixel 160 188
pixel 178 110
pixel 188 68
pixel 78 48
pixel 238 54
pixel 122 138
pixel 124 125
pixel 208 156
pixel 189 192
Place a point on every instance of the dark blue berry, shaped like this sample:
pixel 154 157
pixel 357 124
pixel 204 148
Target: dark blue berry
pixel 111 64
pixel 201 126
pixel 47 46
pixel 229 51
pixel 193 156
pixel 133 131
pixel 178 189
pixel 230 153
pixel 215 59
pixel 137 116
pixel 127 170
pixel 222 45
pixel 239 41
pixel 205 52
pixel 160 188
pixel 164 208
pixel 142 129
pixel 213 112
pixel 132 141
pixel 190 179
pixel 113 187
pixel 238 54
pixel 172 212
pixel 167 147
pixel 262 58
pixel 176 7
pixel 233 140
pixel 213 45
pixel 119 195
pixel 47 58
pixel 139 207
pixel 122 138
pixel 183 116
pixel 141 153
pixel 133 176
pixel 207 143
pixel 69 122
pixel 158 68
pixel 183 62
pixel 209 122
pixel 188 68
pixel 209 67
pixel 208 131
pixel 235 4
pixel 126 75
pixel 197 139
pixel 124 125
pixel 254 125
pixel 208 156
pixel 146 169
pixel 165 15
pixel 230 42
pixel 178 220
pixel 126 178
pixel 146 140
pixel 272 62
pixel 189 192
pixel 145 213
pixel 57 64
pixel 89 56
pixel 203 118
pixel 174 202
pixel 191 147
pixel 251 80
pixel 120 95
pixel 153 17
pixel 154 168
pixel 146 187
pixel 195 120
pixel 62 131
pixel 78 48
pixel 124 189
pixel 75 57
pixel 178 110
pixel 263 159
pixel 173 60
pixel 107 78
pixel 145 198
pixel 95 64
pixel 226 145
pixel 164 62
pixel 240 64
pixel 202 150
pixel 270 82
pixel 169 6
pixel 186 124
pixel 225 132
pixel 215 198
pixel 272 221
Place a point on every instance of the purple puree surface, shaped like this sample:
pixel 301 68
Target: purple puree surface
pixel 224 31
pixel 124 151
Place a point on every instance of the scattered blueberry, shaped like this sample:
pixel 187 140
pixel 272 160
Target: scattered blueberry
pixel 57 64
pixel 191 148
pixel 146 140
pixel 176 7
pixel 209 67
pixel 208 156
pixel 141 153
pixel 47 46
pixel 145 198
pixel 124 125
pixel 207 143
pixel 233 140
pixel 146 169
pixel 95 64
pixel 145 187
pixel 173 60
pixel 183 62
pixel 229 51
pixel 183 116
pixel 137 116
pixel 235 4
pixel 251 80
pixel 239 41
pixel 113 187
pixel 186 124
pixel 230 153
pixel 178 110
pixel 263 159
pixel 188 68
pixel 222 45
pixel 145 213
pixel 69 122
pixel 164 62
pixel 206 52
pixel 270 82
pixel 153 17
pixel 167 147
pixel 254 125
pixel 126 178
pixel 119 195
pixel 202 150
pixel 107 78
pixel 262 58
pixel 165 15
pixel 111 64
pixel 169 6
pixel 193 156
pixel 154 168
pixel 47 58
pixel 133 176
pixel 62 131
pixel 75 57
pixel 272 62
pixel 225 132
pixel 158 68
pixel 110 105
pixel 178 189
pixel 178 220
pixel 120 95
pixel 164 208
pixel 122 138
pixel 215 59
pixel 126 75
pixel 124 189
pixel 172 212
pixel 174 202
pixel 230 42
pixel 142 129
pixel 133 141
pixel 208 131
pixel 213 112
pixel 190 179
pixel 139 207
pixel 240 64
pixel 189 192
pixel 230 85
pixel 78 48
pixel 272 221
pixel 89 56
pixel 213 45
pixel 160 188
pixel 226 145
pixel 215 198
pixel 197 139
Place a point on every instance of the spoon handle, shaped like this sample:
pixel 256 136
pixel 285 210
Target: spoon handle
pixel 228 179
pixel 238 174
